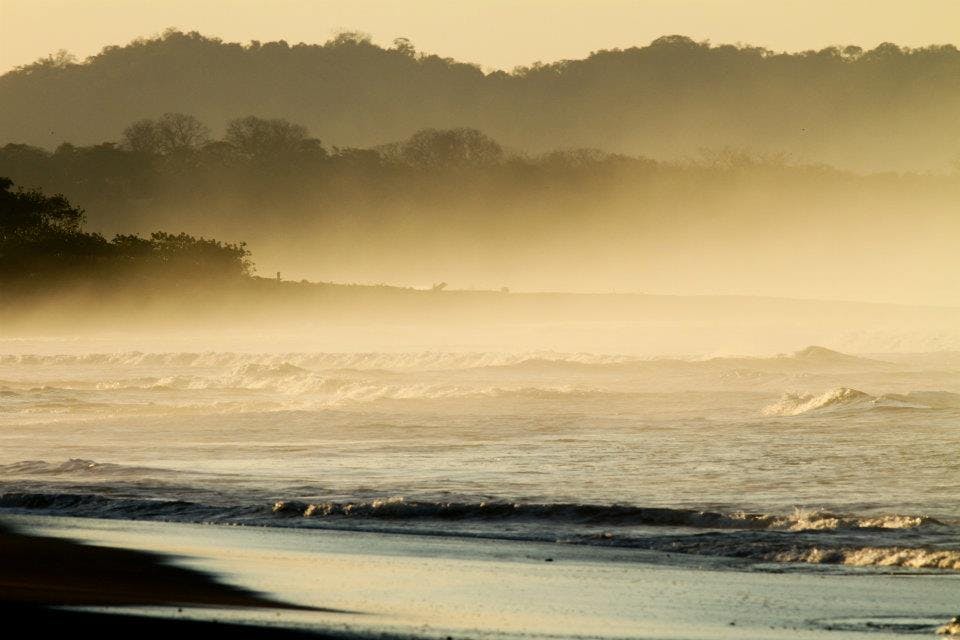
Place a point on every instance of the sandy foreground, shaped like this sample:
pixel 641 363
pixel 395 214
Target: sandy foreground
pixel 158 578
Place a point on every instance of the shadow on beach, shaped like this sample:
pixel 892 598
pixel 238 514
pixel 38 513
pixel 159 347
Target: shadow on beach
pixel 39 575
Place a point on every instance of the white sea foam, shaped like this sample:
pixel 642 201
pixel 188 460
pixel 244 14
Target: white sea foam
pixel 792 404
pixel 818 520
pixel 77 466
pixel 952 628
pixel 906 557
pixel 426 360
pixel 867 541
pixel 845 398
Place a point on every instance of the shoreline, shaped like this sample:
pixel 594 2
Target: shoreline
pixel 365 584
pixel 40 575
pixel 42 570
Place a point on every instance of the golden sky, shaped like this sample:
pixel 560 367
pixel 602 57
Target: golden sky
pixel 493 33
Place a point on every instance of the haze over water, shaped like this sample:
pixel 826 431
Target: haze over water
pixel 815 457
pixel 658 337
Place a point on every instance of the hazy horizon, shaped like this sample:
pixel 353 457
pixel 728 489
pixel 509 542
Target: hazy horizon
pixel 672 168
pixel 32 29
pixel 526 319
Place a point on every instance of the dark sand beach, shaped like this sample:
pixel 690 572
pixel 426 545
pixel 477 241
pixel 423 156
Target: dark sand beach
pixel 40 574
pixel 156 579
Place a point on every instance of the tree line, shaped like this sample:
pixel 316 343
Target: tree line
pixel 886 108
pixel 272 177
pixel 453 205
pixel 43 242
pixel 270 172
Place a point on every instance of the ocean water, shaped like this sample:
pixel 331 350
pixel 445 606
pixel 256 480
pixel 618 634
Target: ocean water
pixel 810 459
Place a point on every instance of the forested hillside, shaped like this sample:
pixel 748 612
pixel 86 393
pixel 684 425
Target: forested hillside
pixel 888 108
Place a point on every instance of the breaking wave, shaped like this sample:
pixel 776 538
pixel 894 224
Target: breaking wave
pixel 814 537
pixel 429 360
pixel 401 508
pixel 792 404
pixel 289 380
pixel 906 557
pixel 770 547
pixel 609 515
pixel 77 466
pixel 844 398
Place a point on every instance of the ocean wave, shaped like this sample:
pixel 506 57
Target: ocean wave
pixel 786 538
pixel 77 466
pixel 818 520
pixel 609 515
pixel 436 360
pixel 816 353
pixel 399 508
pixel 845 398
pixel 363 361
pixel 922 399
pixel 288 380
pixel 402 508
pixel 951 628
pixel 797 548
pixel 109 507
pixel 793 404
pixel 906 557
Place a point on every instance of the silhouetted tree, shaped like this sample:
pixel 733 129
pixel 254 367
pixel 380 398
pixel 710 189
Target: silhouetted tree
pixel 61 59
pixel 42 241
pixel 30 214
pixel 204 255
pixel 142 137
pixel 853 108
pixel 171 133
pixel 438 190
pixel 404 46
pixel 433 148
pixel 254 137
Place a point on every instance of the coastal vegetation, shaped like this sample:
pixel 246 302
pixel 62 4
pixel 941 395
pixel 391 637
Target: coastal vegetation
pixel 43 243
pixel 458 205
pixel 885 108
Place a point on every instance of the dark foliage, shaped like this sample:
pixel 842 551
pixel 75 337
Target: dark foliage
pixel 452 203
pixel 886 108
pixel 42 242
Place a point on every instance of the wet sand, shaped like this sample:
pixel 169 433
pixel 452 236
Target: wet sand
pixel 41 574
pixel 43 570
pixel 364 584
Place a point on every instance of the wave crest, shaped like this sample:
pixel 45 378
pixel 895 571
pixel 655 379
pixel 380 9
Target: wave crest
pixel 906 557
pixel 609 515
pixel 812 356
pixel 817 520
pixel 76 466
pixel 845 398
pixel 364 361
pixel 795 538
